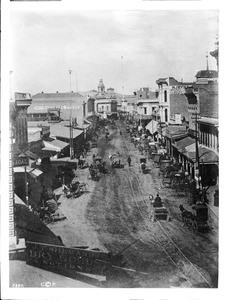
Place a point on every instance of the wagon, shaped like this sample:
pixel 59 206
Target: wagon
pixel 143 165
pixel 167 181
pixel 115 161
pixel 196 220
pixel 164 163
pixel 159 213
pixel 201 216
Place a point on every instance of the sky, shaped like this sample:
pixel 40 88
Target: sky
pixel 153 44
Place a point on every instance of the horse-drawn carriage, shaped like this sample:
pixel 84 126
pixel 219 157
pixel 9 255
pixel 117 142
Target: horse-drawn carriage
pixel 82 163
pixel 196 219
pixel 98 166
pixel 75 189
pixel 115 160
pixel 157 209
pixel 143 165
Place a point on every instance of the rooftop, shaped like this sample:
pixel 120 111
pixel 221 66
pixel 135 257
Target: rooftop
pixel 56 96
pixel 207 74
pixel 211 121
pixel 173 82
pixel 59 130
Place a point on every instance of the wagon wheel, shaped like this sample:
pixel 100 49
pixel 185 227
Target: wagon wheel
pixel 163 183
pixel 189 223
pixel 174 183
pixel 194 225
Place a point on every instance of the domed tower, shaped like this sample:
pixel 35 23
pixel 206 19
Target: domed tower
pixel 101 87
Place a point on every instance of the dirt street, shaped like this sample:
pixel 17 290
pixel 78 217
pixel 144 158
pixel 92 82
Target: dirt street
pixel 114 216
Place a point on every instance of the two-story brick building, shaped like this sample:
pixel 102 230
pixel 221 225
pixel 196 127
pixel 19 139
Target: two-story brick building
pixel 172 100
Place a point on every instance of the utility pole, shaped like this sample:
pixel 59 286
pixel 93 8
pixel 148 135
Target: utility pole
pixel 197 147
pixel 70 124
pixel 122 73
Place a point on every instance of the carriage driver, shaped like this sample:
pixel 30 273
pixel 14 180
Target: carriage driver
pixel 157 201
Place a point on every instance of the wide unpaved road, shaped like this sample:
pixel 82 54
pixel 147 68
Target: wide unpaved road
pixel 160 254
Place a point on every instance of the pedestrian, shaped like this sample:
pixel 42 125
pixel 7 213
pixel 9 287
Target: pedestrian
pixel 129 161
pixel 157 201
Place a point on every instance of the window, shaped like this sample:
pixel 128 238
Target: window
pixel 145 110
pixel 165 96
pixel 166 115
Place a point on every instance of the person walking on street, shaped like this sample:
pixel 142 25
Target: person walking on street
pixel 129 161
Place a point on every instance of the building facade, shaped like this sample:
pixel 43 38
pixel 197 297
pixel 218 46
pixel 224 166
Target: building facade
pixel 173 104
pixel 103 103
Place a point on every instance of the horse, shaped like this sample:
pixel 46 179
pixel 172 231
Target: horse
pixel 187 217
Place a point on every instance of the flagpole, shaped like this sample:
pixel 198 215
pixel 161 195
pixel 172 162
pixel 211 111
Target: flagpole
pixel 70 125
pixel 122 71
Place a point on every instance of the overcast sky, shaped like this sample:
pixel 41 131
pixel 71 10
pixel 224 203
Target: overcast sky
pixel 45 45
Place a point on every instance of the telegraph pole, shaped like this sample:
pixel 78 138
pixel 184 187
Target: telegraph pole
pixel 197 147
pixel 70 125
pixel 122 72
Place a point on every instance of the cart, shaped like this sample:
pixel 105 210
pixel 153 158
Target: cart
pixel 143 165
pixel 115 161
pixel 196 220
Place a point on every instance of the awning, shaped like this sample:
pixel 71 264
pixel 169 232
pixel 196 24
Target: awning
pixel 54 145
pixel 31 171
pixel 22 169
pixel 206 156
pixel 185 144
pixel 35 173
pixel 152 126
pixel 64 160
pixel 31 155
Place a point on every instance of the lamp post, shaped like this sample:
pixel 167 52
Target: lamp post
pixel 70 124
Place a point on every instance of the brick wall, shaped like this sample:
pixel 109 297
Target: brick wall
pixel 208 99
pixel 179 105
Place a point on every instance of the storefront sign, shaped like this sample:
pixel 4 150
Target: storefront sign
pixel 63 258
pixel 20 161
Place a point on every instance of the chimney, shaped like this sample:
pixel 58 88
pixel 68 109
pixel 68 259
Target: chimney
pixel 182 80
